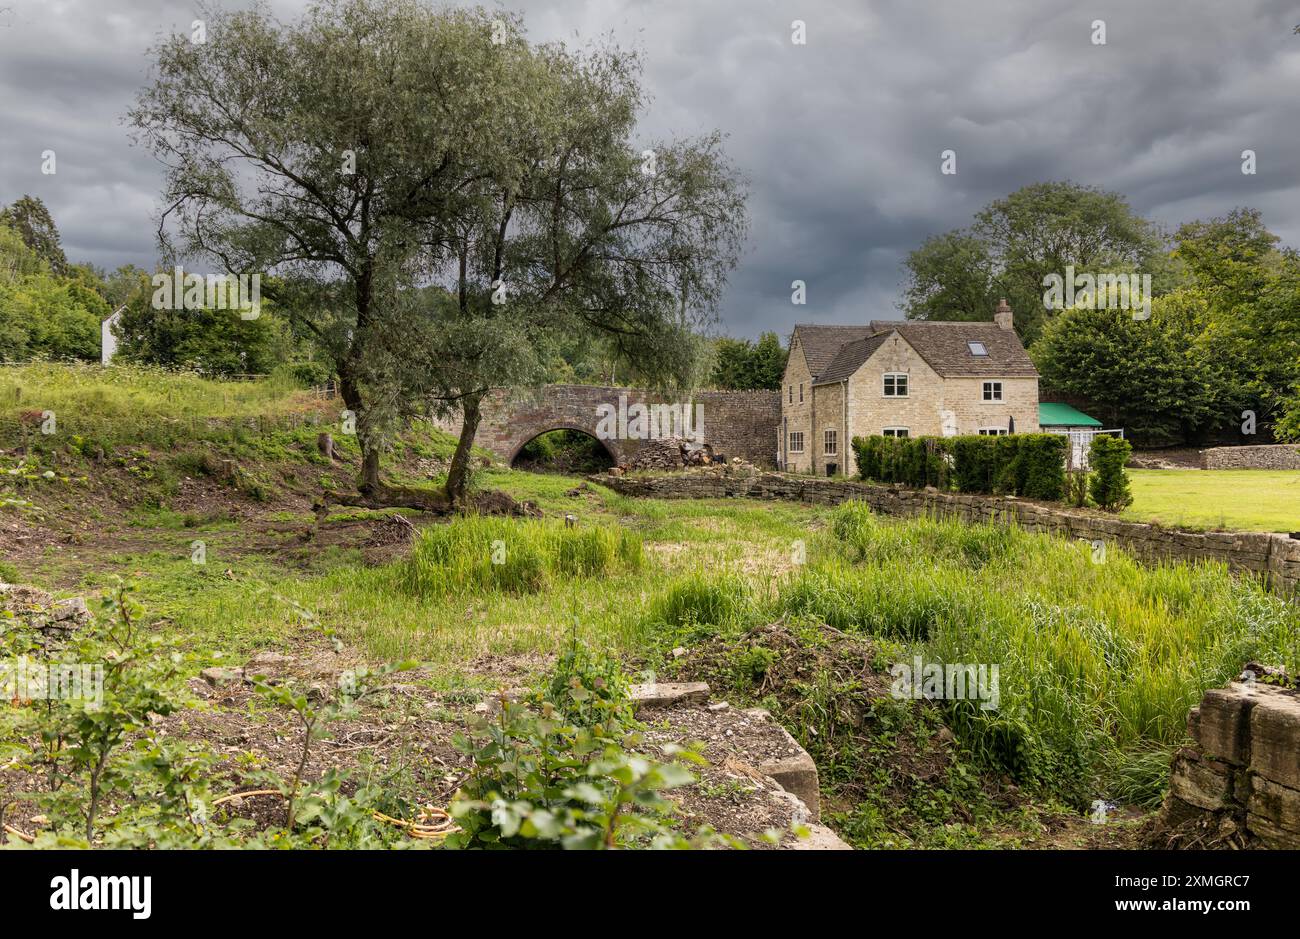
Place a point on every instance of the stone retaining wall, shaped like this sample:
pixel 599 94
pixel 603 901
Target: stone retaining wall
pixel 1240 782
pixel 1282 456
pixel 1273 557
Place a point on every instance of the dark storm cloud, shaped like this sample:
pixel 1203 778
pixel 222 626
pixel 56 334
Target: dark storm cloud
pixel 841 138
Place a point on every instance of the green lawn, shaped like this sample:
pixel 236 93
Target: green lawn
pixel 1260 500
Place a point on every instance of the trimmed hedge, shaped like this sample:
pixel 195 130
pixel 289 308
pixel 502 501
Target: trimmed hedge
pixel 1109 483
pixel 1029 465
pixel 911 461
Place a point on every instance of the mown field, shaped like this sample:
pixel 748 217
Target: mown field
pixel 1255 500
pixel 1099 662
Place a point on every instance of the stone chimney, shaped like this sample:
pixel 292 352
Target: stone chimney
pixel 1002 315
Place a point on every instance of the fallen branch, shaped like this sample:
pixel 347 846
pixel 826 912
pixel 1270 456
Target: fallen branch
pixel 30 839
pixel 255 792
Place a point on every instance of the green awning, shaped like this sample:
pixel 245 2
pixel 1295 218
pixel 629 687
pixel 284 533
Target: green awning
pixel 1062 415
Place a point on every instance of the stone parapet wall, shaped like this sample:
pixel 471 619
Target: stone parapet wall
pixel 735 423
pixel 1240 781
pixel 1280 456
pixel 1273 557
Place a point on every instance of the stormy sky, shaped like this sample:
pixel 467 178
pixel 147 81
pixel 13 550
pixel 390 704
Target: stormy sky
pixel 841 137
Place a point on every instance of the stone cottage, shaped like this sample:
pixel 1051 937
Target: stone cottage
pixel 904 379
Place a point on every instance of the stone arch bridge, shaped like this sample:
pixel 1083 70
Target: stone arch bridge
pixel 734 423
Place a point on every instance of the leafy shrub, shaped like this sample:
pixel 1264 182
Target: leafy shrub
pixel 560 771
pixel 1109 484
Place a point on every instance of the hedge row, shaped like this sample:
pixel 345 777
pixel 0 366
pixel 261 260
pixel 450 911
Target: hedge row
pixel 1029 465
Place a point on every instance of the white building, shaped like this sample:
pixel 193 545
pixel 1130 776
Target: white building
pixel 108 341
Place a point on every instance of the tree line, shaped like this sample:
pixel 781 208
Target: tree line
pixel 1217 352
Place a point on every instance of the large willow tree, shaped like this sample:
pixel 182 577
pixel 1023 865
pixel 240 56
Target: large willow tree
pixel 440 201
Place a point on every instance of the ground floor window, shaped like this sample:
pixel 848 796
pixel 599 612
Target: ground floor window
pixel 796 441
pixel 993 431
pixel 895 432
pixel 829 442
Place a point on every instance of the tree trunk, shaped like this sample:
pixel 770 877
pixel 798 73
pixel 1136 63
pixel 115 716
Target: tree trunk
pixel 458 475
pixel 369 482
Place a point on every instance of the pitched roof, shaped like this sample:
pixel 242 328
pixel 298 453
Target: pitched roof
pixel 1051 414
pixel 822 343
pixel 943 346
pixel 850 358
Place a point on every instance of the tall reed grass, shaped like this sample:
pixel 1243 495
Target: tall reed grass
pixel 480 553
pixel 1098 662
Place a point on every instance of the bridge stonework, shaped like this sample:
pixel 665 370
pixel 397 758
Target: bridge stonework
pixel 735 423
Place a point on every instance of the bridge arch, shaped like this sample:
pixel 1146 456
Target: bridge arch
pixel 611 447
pixel 736 423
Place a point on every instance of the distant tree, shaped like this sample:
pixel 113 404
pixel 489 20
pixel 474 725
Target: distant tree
pixel 31 219
pixel 119 286
pixel 1251 289
pixel 41 314
pixel 1018 240
pixel 1148 376
pixel 951 277
pixel 741 364
pixel 17 260
pixel 216 342
pixel 49 317
pixel 1229 258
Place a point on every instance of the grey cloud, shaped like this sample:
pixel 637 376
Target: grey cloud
pixel 841 138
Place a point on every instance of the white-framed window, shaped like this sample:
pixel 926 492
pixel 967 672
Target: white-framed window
pixel 830 441
pixel 895 432
pixel 895 385
pixel 801 392
pixel 796 441
pixel 993 391
pixel 992 431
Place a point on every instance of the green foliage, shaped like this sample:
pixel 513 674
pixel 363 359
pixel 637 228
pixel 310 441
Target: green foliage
pixel 1157 378
pixel 113 676
pixel 477 553
pixel 564 451
pixel 1225 340
pixel 741 364
pixel 112 778
pixel 1109 483
pixel 912 461
pixel 1029 465
pixel 700 604
pixel 1099 661
pixel 1042 465
pixel 561 770
pixel 31 219
pixel 1016 241
pixel 44 314
pixel 975 463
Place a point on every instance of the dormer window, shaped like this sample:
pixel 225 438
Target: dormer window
pixel 977 348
